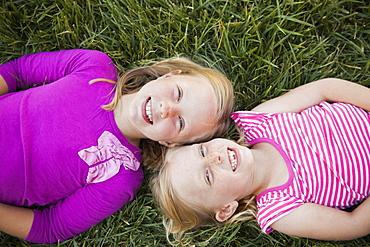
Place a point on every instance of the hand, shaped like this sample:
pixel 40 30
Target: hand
pixel 3 86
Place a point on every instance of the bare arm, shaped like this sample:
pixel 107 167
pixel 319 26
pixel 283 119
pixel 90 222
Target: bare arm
pixel 3 86
pixel 325 223
pixel 330 89
pixel 15 221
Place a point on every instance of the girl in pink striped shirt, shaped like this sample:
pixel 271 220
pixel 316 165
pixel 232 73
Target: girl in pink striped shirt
pixel 306 158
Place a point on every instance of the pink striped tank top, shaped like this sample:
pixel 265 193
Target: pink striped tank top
pixel 327 152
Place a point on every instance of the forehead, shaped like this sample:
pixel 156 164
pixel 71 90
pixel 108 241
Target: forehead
pixel 185 171
pixel 190 79
pixel 182 163
pixel 199 104
pixel 175 157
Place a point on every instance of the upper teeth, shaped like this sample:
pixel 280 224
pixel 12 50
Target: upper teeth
pixel 232 158
pixel 148 110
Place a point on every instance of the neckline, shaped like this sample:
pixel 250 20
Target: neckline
pixel 116 131
pixel 288 164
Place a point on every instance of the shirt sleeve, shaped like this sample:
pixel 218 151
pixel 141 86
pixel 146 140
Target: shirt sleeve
pixel 45 67
pixel 272 207
pixel 85 208
pixel 251 123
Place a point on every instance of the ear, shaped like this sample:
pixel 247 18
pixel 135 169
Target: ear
pixel 168 144
pixel 173 72
pixel 227 211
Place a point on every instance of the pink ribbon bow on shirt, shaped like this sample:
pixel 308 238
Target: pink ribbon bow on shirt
pixel 106 159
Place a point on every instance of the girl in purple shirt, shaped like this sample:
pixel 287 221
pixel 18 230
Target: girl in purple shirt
pixel 71 134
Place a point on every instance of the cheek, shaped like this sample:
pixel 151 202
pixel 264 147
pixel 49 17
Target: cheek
pixel 226 184
pixel 166 133
pixel 162 131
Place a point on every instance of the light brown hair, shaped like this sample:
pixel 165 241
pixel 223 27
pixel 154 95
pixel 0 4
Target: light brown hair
pixel 134 79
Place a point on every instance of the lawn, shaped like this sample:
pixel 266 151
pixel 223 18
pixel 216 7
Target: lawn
pixel 265 47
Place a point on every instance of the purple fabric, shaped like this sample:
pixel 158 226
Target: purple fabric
pixel 41 132
pixel 106 159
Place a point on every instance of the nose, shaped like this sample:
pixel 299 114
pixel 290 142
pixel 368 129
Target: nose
pixel 168 109
pixel 214 158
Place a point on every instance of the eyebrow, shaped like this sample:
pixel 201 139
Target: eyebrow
pixel 185 94
pixel 181 89
pixel 185 118
pixel 196 149
pixel 201 175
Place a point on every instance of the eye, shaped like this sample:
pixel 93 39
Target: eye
pixel 201 150
pixel 208 177
pixel 181 123
pixel 179 93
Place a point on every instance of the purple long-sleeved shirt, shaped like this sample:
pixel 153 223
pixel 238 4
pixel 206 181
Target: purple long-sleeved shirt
pixel 43 128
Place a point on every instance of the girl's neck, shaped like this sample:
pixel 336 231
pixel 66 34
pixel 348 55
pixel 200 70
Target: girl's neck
pixel 122 119
pixel 270 168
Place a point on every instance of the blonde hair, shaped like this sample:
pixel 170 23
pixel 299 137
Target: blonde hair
pixel 180 216
pixel 134 79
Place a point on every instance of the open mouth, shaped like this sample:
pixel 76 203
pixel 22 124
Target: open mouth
pixel 148 111
pixel 232 158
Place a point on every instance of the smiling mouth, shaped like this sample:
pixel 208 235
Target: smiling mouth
pixel 148 111
pixel 232 158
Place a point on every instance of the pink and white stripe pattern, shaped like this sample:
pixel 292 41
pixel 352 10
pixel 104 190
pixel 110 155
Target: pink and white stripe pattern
pixel 327 151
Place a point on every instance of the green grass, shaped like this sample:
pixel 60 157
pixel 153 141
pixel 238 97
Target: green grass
pixel 265 47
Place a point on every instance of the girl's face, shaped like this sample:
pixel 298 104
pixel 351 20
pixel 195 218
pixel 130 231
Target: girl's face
pixel 174 109
pixel 211 174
